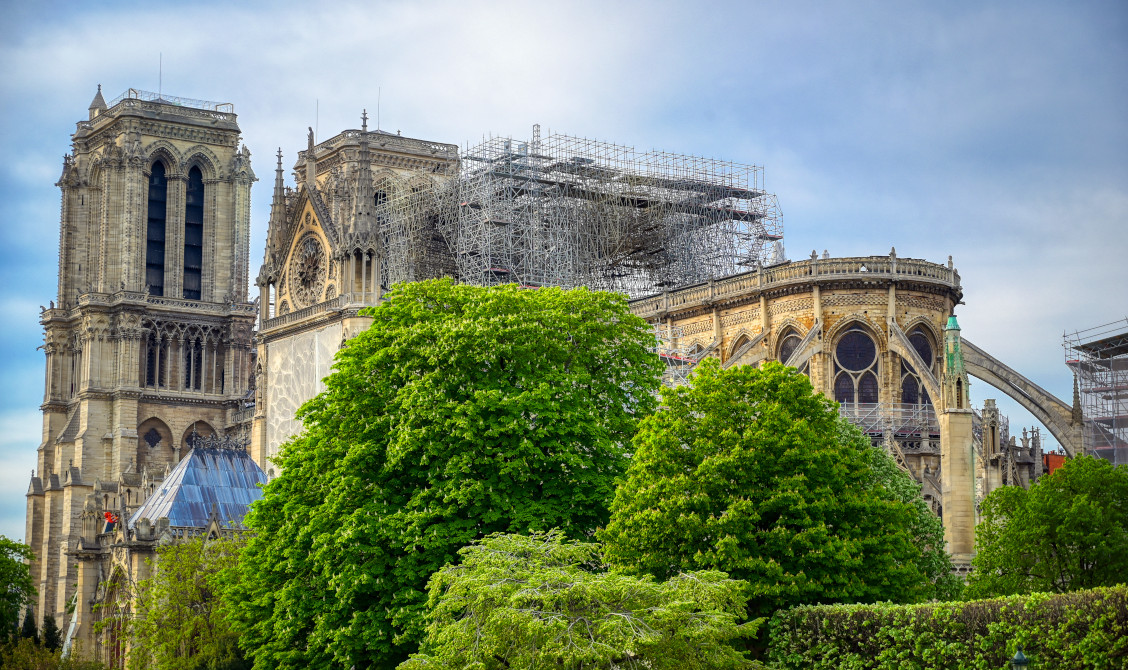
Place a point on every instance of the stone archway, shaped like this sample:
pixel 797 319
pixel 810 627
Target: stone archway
pixel 196 430
pixel 155 446
pixel 1057 416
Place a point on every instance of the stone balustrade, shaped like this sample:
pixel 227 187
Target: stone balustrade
pixel 814 270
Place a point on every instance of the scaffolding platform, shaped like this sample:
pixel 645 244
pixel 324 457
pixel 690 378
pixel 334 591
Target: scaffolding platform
pixel 568 211
pixel 1098 358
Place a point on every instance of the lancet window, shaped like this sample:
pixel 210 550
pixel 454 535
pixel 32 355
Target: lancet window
pixel 193 234
pixel 155 229
pixel 912 390
pixel 787 346
pixel 856 369
pixel 155 360
pixel 193 364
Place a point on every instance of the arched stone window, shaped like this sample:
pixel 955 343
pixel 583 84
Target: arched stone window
pixel 154 444
pixel 912 390
pixel 855 369
pixel 156 360
pixel 193 234
pixel 155 230
pixel 196 433
pixel 193 364
pixel 787 346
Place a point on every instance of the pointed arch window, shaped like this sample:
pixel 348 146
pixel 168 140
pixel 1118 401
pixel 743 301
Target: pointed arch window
pixel 912 389
pixel 856 369
pixel 193 364
pixel 155 229
pixel 787 346
pixel 156 360
pixel 193 234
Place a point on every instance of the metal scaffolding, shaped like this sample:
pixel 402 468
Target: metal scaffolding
pixel 1099 360
pixel 567 211
pixel 411 217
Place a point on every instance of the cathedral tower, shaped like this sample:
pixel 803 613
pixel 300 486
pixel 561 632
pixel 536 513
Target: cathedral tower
pixel 148 344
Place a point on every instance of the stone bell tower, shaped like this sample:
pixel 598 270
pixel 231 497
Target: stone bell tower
pixel 148 344
pixel 957 452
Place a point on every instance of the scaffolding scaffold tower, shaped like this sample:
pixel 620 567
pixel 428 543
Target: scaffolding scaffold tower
pixel 1099 360
pixel 566 211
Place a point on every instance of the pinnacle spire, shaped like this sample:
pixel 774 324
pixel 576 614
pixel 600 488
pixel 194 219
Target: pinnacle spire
pixel 98 104
pixel 277 206
pixel 363 216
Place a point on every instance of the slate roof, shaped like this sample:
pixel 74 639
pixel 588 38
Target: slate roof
pixel 226 480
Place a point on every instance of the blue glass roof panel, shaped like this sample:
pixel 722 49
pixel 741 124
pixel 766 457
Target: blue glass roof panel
pixel 224 480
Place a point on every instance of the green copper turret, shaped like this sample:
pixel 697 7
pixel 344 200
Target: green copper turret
pixel 954 363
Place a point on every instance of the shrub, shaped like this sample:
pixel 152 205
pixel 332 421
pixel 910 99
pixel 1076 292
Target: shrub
pixel 1084 629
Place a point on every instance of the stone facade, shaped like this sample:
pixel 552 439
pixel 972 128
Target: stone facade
pixel 148 346
pixel 330 253
pixel 878 335
pixel 869 332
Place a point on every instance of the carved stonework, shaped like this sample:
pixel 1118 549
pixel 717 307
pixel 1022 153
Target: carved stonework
pixel 309 268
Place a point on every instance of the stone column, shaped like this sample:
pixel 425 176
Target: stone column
pixel 957 452
pixel 957 483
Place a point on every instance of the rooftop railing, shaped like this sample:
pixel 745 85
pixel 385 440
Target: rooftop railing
pixel 888 267
pixel 149 96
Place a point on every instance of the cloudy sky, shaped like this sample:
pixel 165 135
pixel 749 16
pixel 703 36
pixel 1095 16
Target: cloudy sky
pixel 995 134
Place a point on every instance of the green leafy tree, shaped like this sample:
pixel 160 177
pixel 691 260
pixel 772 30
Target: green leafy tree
pixel 926 528
pixel 518 601
pixel 16 589
pixel 29 630
pixel 179 620
pixel 744 471
pixel 52 639
pixel 462 411
pixel 1068 532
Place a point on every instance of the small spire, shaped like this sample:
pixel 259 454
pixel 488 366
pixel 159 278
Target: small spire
pixel 363 218
pixel 98 104
pixel 277 207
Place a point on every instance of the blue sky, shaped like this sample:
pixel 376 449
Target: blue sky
pixel 995 134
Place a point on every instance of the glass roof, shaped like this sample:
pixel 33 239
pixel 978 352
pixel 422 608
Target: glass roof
pixel 224 480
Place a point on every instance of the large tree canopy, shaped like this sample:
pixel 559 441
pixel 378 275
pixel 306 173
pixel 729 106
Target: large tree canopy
pixel 462 411
pixel 517 601
pixel 1069 531
pixel 744 471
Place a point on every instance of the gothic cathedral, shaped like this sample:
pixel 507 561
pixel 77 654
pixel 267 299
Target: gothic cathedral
pixel 148 345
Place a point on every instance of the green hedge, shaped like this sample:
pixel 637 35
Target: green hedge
pixel 1084 629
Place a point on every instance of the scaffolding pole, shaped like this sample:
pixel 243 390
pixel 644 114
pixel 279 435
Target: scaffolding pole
pixel 568 211
pixel 1098 358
